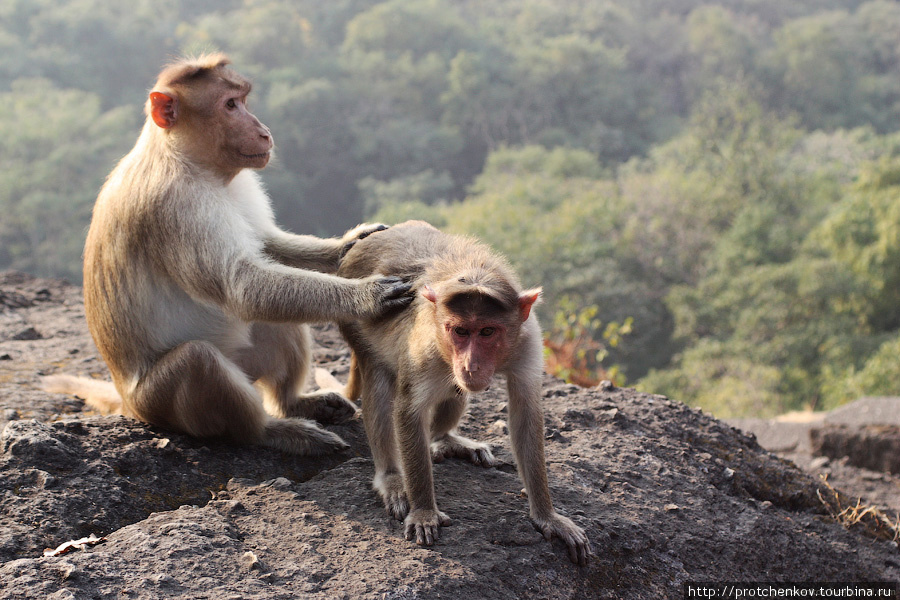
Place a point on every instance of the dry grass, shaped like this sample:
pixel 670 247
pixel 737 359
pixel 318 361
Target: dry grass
pixel 867 519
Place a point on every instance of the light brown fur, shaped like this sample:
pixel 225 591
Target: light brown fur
pixel 414 370
pixel 193 294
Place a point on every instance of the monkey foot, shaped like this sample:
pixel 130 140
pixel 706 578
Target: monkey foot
pixel 325 407
pixel 302 437
pixel 457 446
pixel 393 492
pixel 424 525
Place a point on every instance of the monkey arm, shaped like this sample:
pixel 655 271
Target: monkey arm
pixel 263 291
pixel 304 251
pixel 314 253
pixel 526 431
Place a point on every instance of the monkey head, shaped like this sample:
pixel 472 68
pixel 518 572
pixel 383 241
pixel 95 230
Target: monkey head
pixel 477 327
pixel 201 106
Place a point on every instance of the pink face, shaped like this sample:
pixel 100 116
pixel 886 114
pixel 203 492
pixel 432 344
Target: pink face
pixel 247 140
pixel 227 135
pixel 476 344
pixel 478 347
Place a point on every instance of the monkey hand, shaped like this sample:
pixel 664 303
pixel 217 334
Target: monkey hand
pixel 384 295
pixel 393 491
pixel 357 233
pixel 570 533
pixel 424 525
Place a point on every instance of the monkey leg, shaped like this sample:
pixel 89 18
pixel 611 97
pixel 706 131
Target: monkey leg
pixel 194 389
pixel 377 413
pixel 278 361
pixel 446 443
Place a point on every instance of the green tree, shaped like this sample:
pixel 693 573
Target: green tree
pixel 55 148
pixel 863 233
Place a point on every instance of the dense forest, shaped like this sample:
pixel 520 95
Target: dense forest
pixel 709 192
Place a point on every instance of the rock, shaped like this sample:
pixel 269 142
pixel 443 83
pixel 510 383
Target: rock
pixel 27 334
pixel 667 495
pixel 36 444
pixel 873 447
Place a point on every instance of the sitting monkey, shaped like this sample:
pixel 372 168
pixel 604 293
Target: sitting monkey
pixel 192 293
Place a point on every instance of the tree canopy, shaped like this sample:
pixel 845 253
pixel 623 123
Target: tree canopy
pixel 716 181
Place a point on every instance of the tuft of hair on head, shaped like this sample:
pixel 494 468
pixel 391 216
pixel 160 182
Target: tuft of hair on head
pixel 188 68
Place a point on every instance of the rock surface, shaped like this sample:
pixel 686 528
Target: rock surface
pixel 666 493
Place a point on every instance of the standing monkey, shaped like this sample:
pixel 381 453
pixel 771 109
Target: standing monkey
pixel 193 294
pixel 414 370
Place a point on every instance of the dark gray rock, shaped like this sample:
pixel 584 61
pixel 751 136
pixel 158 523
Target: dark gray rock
pixel 666 494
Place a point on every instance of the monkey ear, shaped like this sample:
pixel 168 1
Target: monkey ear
pixel 527 299
pixel 163 109
pixel 429 293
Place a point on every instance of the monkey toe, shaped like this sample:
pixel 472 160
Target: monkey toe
pixel 325 442
pixel 329 408
pixel 337 409
pixel 454 446
pixel 301 437
pixel 483 457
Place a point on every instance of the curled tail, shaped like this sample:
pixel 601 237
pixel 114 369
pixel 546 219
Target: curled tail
pixel 99 395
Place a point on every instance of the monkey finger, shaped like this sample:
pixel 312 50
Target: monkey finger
pixel 361 232
pixel 429 532
pixel 375 228
pixel 398 303
pixel 420 533
pixel 341 410
pixel 346 248
pixel 544 529
pixel 573 555
pixel 548 533
pixel 396 286
pixel 398 507
pixel 584 552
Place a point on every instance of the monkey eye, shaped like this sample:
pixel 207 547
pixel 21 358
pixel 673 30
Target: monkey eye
pixel 232 103
pixel 486 332
pixel 461 331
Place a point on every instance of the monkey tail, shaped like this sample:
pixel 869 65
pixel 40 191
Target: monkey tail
pixel 354 379
pixel 99 395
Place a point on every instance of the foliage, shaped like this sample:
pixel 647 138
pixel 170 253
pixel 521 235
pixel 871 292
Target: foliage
pixel 45 146
pixel 572 348
pixel 724 173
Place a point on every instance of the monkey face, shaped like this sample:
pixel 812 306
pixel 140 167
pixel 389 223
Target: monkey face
pixel 204 110
pixel 246 140
pixel 477 347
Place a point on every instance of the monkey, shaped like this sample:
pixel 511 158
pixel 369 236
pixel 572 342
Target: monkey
pixel 195 298
pixel 415 368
